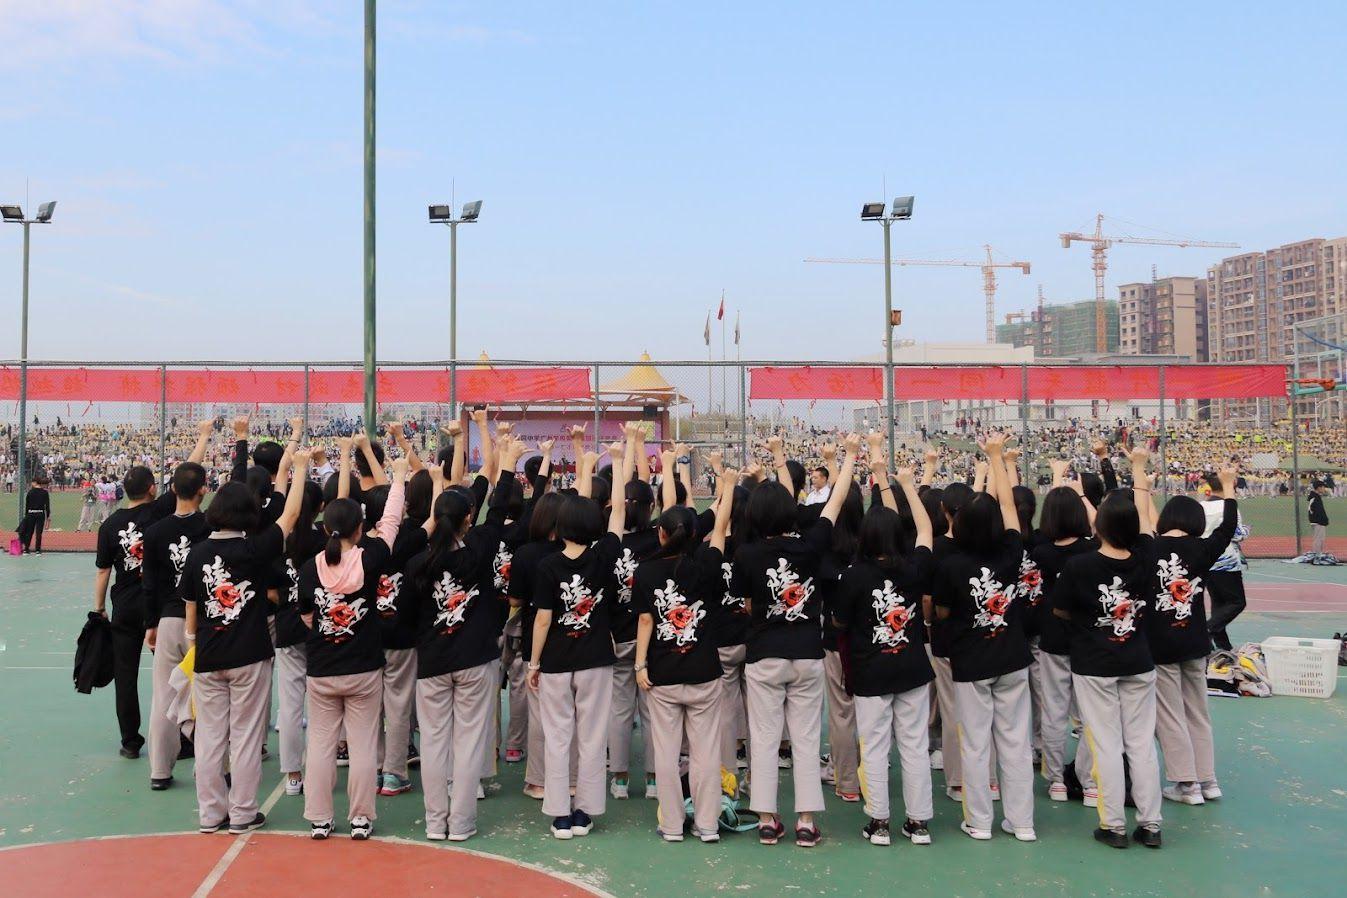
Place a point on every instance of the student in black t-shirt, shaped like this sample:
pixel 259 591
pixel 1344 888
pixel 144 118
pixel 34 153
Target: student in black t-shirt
pixel 1176 628
pixel 676 591
pixel 36 513
pixel 571 667
pixel 338 594
pixel 166 547
pixel 450 592
pixel 776 570
pixel 977 597
pixel 1065 530
pixel 121 548
pixel 878 607
pixel 1104 595
pixel 225 582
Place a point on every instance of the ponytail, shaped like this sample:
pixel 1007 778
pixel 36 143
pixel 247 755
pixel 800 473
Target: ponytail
pixel 332 554
pixel 342 519
pixel 451 510
pixel 679 525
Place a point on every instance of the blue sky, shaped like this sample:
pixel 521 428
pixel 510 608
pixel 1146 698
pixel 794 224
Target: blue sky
pixel 634 160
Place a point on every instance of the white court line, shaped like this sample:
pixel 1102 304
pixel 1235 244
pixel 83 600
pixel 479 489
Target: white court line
pixel 1253 580
pixel 240 842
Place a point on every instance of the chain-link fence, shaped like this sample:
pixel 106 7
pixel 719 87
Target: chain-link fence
pixel 84 424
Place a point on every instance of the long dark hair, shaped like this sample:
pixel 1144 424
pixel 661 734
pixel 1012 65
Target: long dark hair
pixel 771 511
pixel 1026 503
pixel 416 500
pixel 451 512
pixel 978 526
pixel 543 521
pixel 881 536
pixel 640 501
pixel 341 519
pixel 296 544
pixel 679 525
pixel 847 529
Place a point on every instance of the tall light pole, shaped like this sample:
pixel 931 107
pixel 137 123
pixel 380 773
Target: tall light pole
pixel 901 211
pixel 444 214
pixel 371 381
pixel 14 215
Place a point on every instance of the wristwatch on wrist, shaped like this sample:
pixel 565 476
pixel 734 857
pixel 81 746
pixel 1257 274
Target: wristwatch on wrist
pixel 639 667
pixel 684 459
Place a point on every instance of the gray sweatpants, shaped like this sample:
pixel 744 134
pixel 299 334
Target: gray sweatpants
pixel 995 712
pixel 842 743
pixel 399 696
pixel 1119 715
pixel 170 645
pixel 784 694
pixel 1053 673
pixel 949 724
pixel 349 703
pixel 882 720
pixel 291 683
pixel 456 711
pixel 694 710
pixel 733 712
pixel 231 720
pixel 575 708
pixel 1183 721
pixel 515 666
pixel 627 700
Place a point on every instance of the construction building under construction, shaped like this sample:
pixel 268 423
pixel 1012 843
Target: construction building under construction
pixel 1060 330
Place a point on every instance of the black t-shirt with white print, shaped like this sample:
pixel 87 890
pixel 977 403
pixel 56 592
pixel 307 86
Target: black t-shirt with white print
pixel 523 577
pixel 290 629
pixel 345 637
pixel 1176 624
pixel 121 547
pixel 1053 635
pixel 636 545
pixel 1108 599
pixel 580 592
pixel 778 576
pixel 731 623
pixel 879 605
pixel 986 635
pixel 1029 586
pixel 227 578
pixel 941 548
pixel 397 619
pixel 680 595
pixel 166 547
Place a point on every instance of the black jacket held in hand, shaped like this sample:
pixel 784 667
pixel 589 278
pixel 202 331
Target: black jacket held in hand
pixel 93 654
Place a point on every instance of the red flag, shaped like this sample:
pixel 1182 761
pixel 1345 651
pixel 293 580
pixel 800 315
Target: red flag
pixel 720 316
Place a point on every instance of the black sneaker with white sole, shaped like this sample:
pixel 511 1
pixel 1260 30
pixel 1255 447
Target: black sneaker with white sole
pixel 214 827
pixel 917 831
pixel 238 829
pixel 361 829
pixel 159 785
pixel 876 832
pixel 320 831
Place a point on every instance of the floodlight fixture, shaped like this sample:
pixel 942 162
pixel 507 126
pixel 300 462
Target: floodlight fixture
pixel 45 210
pixel 472 210
pixel 12 213
pixel 872 211
pixel 441 213
pixel 902 208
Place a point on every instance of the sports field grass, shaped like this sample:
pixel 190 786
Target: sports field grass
pixel 1277 833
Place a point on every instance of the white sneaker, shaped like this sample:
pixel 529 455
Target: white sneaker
pixel 1023 833
pixel 361 829
pixel 671 837
pixel 433 836
pixel 1184 794
pixel 1091 798
pixel 954 793
pixel 982 835
pixel 481 792
pixel 294 787
pixel 1057 792
pixel 996 792
pixel 1211 791
pixel 827 773
pixel 462 837
pixel 707 837
pixel 937 760
pixel 650 791
pixel 619 789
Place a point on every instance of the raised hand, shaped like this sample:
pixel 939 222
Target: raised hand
pixel 204 428
pixel 296 427
pixel 344 445
pixel 361 440
pixel 906 477
pixel 400 468
pixel 828 451
pixel 454 429
pixel 578 431
pixel 617 451
pixel 479 416
pixel 241 427
pixel 504 428
pixel 545 447
pixel 852 443
pixel 1059 468
pixel 395 430
pixel 1098 448
pixel 1139 456
pixel 774 443
pixel 1229 476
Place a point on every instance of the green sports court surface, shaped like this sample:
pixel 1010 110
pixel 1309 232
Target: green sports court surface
pixel 1279 830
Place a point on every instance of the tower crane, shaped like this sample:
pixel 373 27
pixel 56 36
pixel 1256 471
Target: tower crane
pixel 988 276
pixel 1099 245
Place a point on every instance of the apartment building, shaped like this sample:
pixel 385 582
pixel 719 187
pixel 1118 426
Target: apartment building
pixel 1162 318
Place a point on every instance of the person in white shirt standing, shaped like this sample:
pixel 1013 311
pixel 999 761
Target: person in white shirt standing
pixel 1225 581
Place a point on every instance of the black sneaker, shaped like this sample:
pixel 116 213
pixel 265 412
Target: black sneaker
pixel 741 758
pixel 186 749
pixel 581 823
pixel 343 756
pixel 784 760
pixel 214 827
pixel 238 829
pixel 159 785
pixel 1111 837
pixel 129 753
pixel 917 831
pixel 361 829
pixel 770 833
pixel 413 755
pixel 808 836
pixel 320 831
pixel 876 832
pixel 1147 834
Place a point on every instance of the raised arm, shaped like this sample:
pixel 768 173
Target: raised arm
pixel 981 482
pixel 668 488
pixel 628 460
pixel 376 470
pixel 1142 484
pixel 879 470
pixel 617 516
pixel 408 450
pixel 925 532
pixel 642 460
pixel 240 470
pixel 778 449
pixel 578 444
pixel 1012 456
pixel 829 453
pixel 488 446
pixel 295 497
pixel 724 507
pixel 283 469
pixel 584 474
pixel 843 484
pixel 436 488
pixel 1215 544
pixel 685 473
pixel 458 466
pixel 928 469
pixel 1059 468
pixel 996 475
pixel 203 432
pixel 344 472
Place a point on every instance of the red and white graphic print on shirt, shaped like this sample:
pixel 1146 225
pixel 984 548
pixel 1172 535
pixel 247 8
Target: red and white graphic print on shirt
pixel 225 600
pixel 993 602
pixel 895 614
pixel 790 597
pixel 1177 592
pixel 501 568
pixel 676 620
pixel 177 556
pixel 386 593
pixel 625 570
pixel 132 542
pixel 577 605
pixel 1119 609
pixel 452 602
pixel 1031 581
pixel 336 616
pixel 735 603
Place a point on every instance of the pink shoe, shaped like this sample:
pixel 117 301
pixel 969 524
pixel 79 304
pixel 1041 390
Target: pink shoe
pixel 513 756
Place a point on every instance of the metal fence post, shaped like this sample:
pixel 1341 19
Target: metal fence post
pixel 1024 426
pixel 598 442
pixel 1295 453
pixel 743 417
pixel 1164 439
pixel 163 423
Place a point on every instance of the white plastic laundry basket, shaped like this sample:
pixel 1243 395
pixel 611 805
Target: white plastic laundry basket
pixel 1305 667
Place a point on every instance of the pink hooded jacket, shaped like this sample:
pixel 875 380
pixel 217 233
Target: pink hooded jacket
pixel 347 576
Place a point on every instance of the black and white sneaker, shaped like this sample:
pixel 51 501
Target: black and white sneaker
pixel 320 831
pixel 214 827
pixel 876 832
pixel 238 829
pixel 916 831
pixel 784 760
pixel 343 756
pixel 361 829
pixel 741 758
pixel 581 823
pixel 413 755
pixel 159 785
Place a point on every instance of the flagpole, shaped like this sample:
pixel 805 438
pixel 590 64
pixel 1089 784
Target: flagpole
pixel 710 370
pixel 724 372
